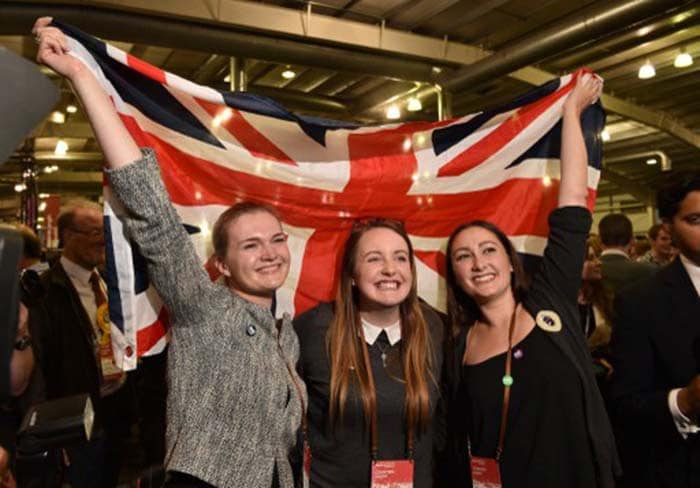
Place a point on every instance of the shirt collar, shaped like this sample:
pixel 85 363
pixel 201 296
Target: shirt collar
pixel 617 252
pixel 75 271
pixel 371 331
pixel 693 271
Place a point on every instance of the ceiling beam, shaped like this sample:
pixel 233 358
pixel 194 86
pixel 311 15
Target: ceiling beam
pixel 246 28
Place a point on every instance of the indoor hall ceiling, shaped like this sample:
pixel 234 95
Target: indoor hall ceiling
pixel 353 58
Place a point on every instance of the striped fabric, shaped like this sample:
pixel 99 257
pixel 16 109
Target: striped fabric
pixel 217 148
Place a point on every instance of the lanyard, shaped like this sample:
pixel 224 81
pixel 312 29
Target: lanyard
pixel 507 382
pixel 374 437
pixel 373 406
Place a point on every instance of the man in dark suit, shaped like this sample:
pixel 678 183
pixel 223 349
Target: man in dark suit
pixel 656 355
pixel 71 333
pixel 617 239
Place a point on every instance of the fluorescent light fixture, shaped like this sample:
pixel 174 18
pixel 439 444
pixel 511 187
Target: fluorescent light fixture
pixel 683 60
pixel 71 109
pixel 651 161
pixel 288 74
pixel 57 117
pixel 20 187
pixel 393 112
pixel 61 148
pixel 605 135
pixel 414 105
pixel 647 71
pixel 42 206
pixel 44 195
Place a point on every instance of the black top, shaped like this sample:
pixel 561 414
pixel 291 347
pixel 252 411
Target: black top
pixel 341 452
pixel 546 442
pixel 558 431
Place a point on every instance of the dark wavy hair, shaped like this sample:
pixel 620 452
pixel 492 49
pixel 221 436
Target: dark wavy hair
pixel 462 309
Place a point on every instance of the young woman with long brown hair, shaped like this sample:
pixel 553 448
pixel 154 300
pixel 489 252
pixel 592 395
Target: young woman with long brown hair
pixel 371 363
pixel 530 408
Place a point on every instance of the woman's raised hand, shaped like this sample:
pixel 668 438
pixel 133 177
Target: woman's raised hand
pixel 53 49
pixel 587 91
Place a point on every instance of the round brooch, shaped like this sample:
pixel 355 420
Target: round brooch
pixel 548 320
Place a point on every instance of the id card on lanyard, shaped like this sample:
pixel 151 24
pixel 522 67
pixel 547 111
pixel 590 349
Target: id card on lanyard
pixel 386 473
pixel 397 473
pixel 486 472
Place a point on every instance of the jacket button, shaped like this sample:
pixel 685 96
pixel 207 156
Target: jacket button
pixel 251 330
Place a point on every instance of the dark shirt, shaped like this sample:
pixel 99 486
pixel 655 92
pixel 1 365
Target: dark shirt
pixel 558 432
pixel 341 452
pixel 546 441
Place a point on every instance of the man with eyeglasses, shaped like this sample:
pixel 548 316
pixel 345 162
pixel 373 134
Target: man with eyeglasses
pixel 71 332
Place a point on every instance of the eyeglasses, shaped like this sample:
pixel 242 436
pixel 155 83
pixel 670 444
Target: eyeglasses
pixel 94 232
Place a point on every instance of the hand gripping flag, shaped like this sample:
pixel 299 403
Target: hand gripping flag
pixel 218 148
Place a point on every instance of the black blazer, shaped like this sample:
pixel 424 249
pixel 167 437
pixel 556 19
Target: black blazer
pixel 63 338
pixel 657 325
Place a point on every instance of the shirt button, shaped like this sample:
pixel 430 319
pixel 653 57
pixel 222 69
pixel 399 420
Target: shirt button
pixel 251 330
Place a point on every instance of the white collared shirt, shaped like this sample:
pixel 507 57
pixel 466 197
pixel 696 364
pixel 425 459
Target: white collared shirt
pixel 684 425
pixel 80 278
pixel 616 252
pixel 393 332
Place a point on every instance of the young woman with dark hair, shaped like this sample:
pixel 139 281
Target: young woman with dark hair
pixel 371 362
pixel 527 410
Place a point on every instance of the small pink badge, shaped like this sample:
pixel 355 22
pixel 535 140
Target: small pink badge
pixel 396 473
pixel 485 473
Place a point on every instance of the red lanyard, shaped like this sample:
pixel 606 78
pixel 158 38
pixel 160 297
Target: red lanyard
pixel 507 383
pixel 373 405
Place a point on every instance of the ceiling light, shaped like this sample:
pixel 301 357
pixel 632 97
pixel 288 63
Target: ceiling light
pixel 393 112
pixel 683 60
pixel 57 117
pixel 44 195
pixel 647 71
pixel 42 206
pixel 227 78
pixel 651 161
pixel 414 105
pixel 20 187
pixel 288 74
pixel 61 148
pixel 71 109
pixel 48 170
pixel 605 135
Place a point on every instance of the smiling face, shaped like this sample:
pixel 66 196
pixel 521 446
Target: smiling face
pixel 256 262
pixel 382 271
pixel 481 265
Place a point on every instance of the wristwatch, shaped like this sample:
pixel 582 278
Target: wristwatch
pixel 23 342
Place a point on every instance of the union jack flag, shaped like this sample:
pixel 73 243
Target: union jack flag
pixel 217 148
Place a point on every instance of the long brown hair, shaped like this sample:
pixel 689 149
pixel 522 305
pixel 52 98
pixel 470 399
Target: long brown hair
pixel 462 309
pixel 344 339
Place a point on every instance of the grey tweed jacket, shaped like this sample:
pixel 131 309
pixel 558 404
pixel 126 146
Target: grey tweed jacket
pixel 233 408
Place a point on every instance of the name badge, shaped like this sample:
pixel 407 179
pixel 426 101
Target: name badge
pixel 396 473
pixel 485 473
pixel 306 468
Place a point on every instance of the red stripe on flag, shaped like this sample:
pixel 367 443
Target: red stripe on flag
pixel 495 141
pixel 146 69
pixel 435 260
pixel 147 337
pixel 249 137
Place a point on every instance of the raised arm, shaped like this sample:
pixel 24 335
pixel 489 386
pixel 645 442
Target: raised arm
pixel 118 146
pixel 573 187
